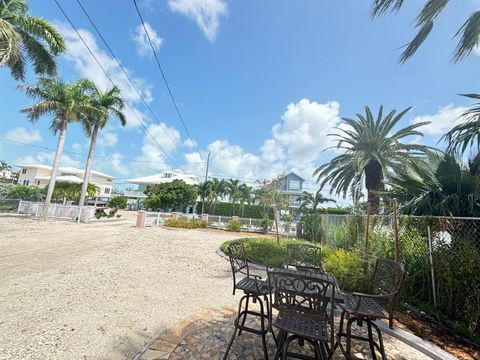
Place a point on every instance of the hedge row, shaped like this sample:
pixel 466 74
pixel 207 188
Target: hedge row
pixel 226 209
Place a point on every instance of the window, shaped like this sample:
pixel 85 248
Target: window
pixel 28 182
pixel 38 183
pixel 168 175
pixel 24 182
pixel 294 185
pixel 106 191
pixel 24 171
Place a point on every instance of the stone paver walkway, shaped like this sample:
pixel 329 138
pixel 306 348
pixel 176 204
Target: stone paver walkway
pixel 206 335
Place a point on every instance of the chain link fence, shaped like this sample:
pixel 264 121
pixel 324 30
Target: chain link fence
pixel 441 256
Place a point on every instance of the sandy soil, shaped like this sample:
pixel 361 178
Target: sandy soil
pixel 101 290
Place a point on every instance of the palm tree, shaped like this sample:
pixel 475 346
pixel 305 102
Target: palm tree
pixel 467 133
pixel 441 186
pixel 67 103
pixel 219 189
pixel 233 190
pixel 27 38
pixel 468 33
pixel 108 103
pixel 311 201
pixel 204 190
pixel 245 196
pixel 371 152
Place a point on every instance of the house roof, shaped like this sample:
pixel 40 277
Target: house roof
pixel 164 178
pixel 67 170
pixel 294 174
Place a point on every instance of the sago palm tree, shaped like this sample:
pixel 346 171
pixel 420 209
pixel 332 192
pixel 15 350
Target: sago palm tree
pixel 311 201
pixel 109 104
pixel 371 151
pixel 25 38
pixel 467 133
pixel 67 102
pixel 468 33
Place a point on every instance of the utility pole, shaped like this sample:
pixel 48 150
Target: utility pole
pixel 206 179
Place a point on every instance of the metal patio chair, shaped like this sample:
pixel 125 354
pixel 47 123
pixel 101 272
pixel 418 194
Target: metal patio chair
pixel 302 300
pixel 362 308
pixel 304 257
pixel 255 289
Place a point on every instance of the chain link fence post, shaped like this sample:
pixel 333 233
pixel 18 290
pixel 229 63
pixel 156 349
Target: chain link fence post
pixel 430 251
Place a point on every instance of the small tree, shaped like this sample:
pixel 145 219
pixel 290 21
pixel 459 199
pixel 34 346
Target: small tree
pixel 118 202
pixel 270 195
pixel 175 195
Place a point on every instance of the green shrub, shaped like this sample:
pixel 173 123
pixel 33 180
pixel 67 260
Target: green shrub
pixel 119 202
pixel 185 223
pixel 266 223
pixel 226 209
pixel 312 227
pixel 233 225
pixel 347 267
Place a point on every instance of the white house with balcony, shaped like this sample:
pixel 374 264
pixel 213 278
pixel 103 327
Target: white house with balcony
pixel 143 183
pixel 39 175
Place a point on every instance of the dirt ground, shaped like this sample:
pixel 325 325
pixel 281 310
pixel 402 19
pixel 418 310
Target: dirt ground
pixel 101 290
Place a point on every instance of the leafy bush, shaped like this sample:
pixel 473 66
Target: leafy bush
pixel 185 223
pixel 233 225
pixel 22 192
pixel 312 227
pixel 266 223
pixel 347 267
pixel 119 202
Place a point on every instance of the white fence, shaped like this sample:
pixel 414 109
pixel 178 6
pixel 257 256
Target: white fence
pixel 221 222
pixel 57 211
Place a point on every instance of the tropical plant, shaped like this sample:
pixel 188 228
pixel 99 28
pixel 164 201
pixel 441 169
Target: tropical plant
pixel 67 102
pixel 219 188
pixel 440 186
pixel 372 151
pixel 234 225
pixel 466 134
pixel 204 190
pixel 233 191
pixel 67 191
pixel 27 38
pixel 22 192
pixel 174 195
pixel 118 202
pixel 468 33
pixel 108 103
pixel 311 201
pixel 271 196
pixel 245 196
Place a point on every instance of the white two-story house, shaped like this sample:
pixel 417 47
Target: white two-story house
pixel 39 175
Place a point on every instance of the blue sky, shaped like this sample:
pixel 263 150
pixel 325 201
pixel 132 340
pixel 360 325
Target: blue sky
pixel 259 83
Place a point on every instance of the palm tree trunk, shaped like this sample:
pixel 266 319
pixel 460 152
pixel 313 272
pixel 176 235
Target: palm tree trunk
pixel 374 183
pixel 56 165
pixel 88 167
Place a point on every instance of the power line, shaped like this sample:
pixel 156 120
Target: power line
pixel 161 70
pixel 125 72
pixel 109 78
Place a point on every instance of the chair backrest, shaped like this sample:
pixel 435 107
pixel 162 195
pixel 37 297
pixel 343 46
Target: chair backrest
pixel 387 277
pixel 302 293
pixel 238 260
pixel 304 257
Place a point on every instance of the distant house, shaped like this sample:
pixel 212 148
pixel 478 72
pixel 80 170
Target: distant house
pixel 39 175
pixel 293 187
pixel 144 182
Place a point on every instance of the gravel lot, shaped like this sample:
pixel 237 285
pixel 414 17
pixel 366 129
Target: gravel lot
pixel 101 290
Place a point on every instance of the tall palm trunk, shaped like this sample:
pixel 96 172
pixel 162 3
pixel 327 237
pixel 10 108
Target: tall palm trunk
pixel 374 183
pixel 56 165
pixel 88 167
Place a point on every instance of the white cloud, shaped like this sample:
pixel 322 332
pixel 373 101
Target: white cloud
pixel 206 13
pixel 22 135
pixel 141 39
pixel 107 139
pixel 445 119
pixel 47 158
pixel 190 143
pixel 77 147
pixel 86 66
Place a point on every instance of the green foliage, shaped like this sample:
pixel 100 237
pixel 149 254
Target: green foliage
pixel 266 223
pixel 347 267
pixel 68 191
pixel 173 195
pixel 185 223
pixel 233 225
pixel 119 202
pixel 312 227
pixel 22 192
pixel 226 209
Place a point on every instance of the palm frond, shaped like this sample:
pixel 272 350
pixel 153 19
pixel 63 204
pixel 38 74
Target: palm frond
pixel 412 47
pixel 380 7
pixel 469 37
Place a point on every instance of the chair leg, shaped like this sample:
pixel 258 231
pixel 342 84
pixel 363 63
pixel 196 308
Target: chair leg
pixel 349 337
pixel 380 341
pixel 244 316
pixel 230 344
pixel 371 341
pixel 262 327
pixel 281 339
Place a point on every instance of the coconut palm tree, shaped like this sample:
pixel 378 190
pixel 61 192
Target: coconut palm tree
pixel 204 190
pixel 372 150
pixel 467 133
pixel 219 190
pixel 468 33
pixel 245 196
pixel 67 102
pixel 311 201
pixel 233 191
pixel 25 38
pixel 109 104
